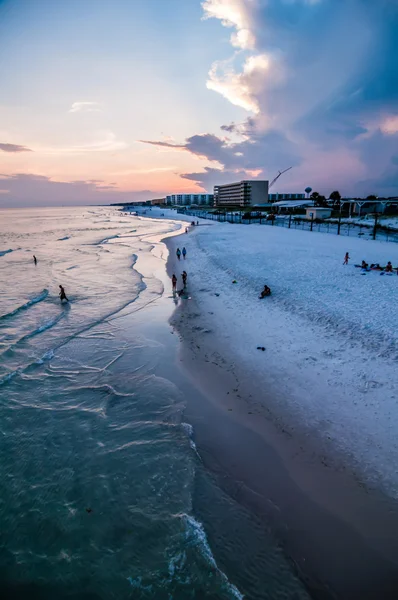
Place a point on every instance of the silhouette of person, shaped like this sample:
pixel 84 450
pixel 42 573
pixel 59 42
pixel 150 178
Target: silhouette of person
pixel 62 294
pixel 35 259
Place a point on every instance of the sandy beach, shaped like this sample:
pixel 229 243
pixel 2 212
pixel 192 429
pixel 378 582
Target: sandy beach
pixel 339 531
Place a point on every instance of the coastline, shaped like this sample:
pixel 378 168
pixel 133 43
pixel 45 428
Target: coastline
pixel 340 534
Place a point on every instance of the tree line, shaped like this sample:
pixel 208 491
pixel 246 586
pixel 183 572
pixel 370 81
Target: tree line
pixel 335 197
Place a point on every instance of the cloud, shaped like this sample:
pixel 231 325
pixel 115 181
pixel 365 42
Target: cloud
pixel 389 125
pixel 104 141
pixel 14 148
pixel 233 13
pixel 329 109
pixel 244 89
pixel 85 107
pixel 24 189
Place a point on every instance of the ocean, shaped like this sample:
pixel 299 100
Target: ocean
pixel 102 491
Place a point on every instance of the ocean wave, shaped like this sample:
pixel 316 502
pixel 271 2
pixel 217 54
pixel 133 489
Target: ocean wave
pixel 3 252
pixel 40 361
pixel 42 296
pixel 33 333
pixel 43 327
pixel 187 427
pixel 196 536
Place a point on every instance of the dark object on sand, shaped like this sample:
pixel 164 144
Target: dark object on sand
pixel 261 348
pixel 234 281
pixel 89 510
pixel 266 292
pixel 35 259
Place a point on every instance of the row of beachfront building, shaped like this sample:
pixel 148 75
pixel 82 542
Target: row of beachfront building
pixel 255 193
pixel 239 194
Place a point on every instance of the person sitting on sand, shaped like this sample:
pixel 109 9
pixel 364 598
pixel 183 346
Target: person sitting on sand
pixel 376 267
pixel 388 268
pixel 62 294
pixel 266 292
pixel 364 265
pixel 174 282
pixel 178 253
pixel 184 278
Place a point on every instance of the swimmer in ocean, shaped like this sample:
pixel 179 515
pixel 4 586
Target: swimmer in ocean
pixel 62 294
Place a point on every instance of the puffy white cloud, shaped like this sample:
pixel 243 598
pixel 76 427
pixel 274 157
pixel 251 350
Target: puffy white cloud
pixel 234 13
pixel 243 89
pixel 85 107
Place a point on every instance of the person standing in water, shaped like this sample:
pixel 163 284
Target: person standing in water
pixel 35 259
pixel 178 253
pixel 174 282
pixel 346 258
pixel 184 252
pixel 62 294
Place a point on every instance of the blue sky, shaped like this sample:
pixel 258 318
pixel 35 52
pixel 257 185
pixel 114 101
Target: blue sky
pixel 129 99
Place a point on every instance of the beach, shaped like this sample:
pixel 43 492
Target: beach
pixel 263 432
pixel 150 449
pixel 103 491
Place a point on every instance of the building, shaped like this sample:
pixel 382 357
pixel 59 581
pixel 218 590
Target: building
pixel 155 202
pixel 242 193
pixel 188 199
pixel 318 212
pixel 291 206
pixel 363 206
pixel 278 197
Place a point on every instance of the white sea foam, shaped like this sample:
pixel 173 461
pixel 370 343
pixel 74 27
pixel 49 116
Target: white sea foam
pixel 42 296
pixel 195 534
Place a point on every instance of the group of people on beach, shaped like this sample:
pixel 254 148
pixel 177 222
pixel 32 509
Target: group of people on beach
pixel 373 267
pixel 184 275
pixel 62 295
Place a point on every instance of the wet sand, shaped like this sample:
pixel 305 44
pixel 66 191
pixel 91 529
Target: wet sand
pixel 341 536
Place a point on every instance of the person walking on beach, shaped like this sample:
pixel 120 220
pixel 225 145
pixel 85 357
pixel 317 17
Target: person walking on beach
pixel 174 282
pixel 178 253
pixel 197 222
pixel 35 259
pixel 62 295
pixel 346 258
pixel 184 252
pixel 184 278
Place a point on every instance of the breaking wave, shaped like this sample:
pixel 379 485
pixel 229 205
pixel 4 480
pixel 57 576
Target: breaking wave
pixel 42 296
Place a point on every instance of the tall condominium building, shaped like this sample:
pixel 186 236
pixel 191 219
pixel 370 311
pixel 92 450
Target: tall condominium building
pixel 242 193
pixel 188 199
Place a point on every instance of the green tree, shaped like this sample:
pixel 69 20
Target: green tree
pixel 335 196
pixel 314 195
pixel 321 201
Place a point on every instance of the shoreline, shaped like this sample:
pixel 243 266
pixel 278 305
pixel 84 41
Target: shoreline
pixel 295 487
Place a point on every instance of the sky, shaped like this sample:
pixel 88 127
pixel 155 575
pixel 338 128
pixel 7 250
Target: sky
pixel 122 100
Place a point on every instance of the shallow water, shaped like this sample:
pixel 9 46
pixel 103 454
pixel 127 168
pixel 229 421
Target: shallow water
pixel 99 473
